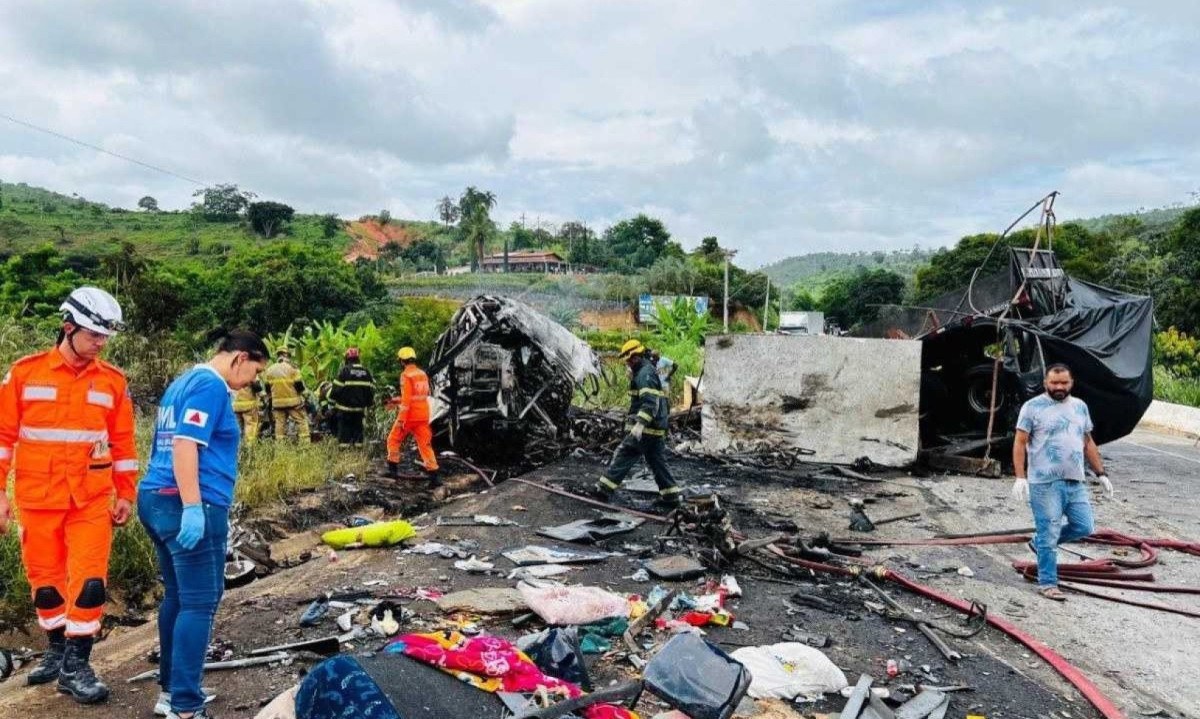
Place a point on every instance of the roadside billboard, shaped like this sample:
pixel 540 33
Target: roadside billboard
pixel 648 304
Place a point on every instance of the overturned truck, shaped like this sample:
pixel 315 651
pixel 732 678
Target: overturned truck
pixel 504 371
pixel 985 349
pixel 922 379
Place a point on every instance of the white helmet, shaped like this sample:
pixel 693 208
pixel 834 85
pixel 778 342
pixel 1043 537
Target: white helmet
pixel 94 309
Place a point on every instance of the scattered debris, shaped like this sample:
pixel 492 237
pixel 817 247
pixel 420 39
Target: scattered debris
pixel 538 571
pixel 796 634
pixel 315 612
pixel 859 521
pixel 697 678
pixel 325 646
pixel 379 534
pixel 486 600
pixel 279 658
pixel 557 653
pixel 475 520
pixel 386 618
pixel 588 531
pixel 534 554
pixel 790 670
pixel 473 565
pixel 675 568
pixel 573 605
pixel 923 705
pixel 240 572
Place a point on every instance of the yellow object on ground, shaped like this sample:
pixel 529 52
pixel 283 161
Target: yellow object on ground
pixel 379 534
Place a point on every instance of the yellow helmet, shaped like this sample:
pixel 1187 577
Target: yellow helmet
pixel 406 353
pixel 630 348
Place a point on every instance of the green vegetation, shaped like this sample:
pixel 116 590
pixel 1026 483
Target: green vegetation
pixel 83 231
pixel 852 300
pixel 812 273
pixel 679 336
pixel 1169 387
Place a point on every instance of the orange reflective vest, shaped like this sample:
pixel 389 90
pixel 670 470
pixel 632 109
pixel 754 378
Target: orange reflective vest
pixel 69 436
pixel 414 395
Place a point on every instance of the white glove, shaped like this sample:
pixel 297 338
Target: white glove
pixel 1020 490
pixel 1108 488
pixel 637 430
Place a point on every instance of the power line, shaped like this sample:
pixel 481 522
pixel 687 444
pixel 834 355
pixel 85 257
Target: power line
pixel 97 148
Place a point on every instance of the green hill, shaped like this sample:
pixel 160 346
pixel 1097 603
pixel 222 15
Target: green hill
pixel 1150 220
pixel 32 217
pixel 814 271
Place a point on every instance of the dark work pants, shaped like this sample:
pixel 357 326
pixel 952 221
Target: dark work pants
pixel 654 450
pixel 349 427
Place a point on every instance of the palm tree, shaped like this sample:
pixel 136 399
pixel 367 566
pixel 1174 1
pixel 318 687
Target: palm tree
pixel 474 220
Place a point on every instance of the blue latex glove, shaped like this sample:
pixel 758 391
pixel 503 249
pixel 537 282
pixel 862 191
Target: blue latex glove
pixel 191 526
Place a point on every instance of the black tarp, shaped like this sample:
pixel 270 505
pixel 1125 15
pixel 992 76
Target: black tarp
pixel 1104 336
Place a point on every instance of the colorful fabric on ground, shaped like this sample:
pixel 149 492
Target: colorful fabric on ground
pixel 493 665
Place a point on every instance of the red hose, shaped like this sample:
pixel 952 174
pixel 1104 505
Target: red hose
pixel 1131 602
pixel 1090 691
pixel 1028 569
pixel 935 542
pixel 1110 536
pixel 1134 586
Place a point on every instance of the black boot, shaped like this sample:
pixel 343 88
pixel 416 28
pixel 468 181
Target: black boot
pixel 434 477
pixel 77 677
pixel 393 470
pixel 52 660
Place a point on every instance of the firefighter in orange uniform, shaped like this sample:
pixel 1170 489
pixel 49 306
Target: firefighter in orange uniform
pixel 413 417
pixel 66 431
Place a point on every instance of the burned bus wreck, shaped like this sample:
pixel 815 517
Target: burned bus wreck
pixel 503 370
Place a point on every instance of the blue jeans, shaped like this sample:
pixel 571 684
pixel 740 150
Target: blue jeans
pixel 194 580
pixel 1051 501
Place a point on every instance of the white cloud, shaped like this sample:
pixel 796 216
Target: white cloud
pixel 779 127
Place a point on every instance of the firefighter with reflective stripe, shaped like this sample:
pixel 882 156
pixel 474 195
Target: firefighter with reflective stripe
pixel 353 393
pixel 286 389
pixel 649 413
pixel 247 407
pixel 66 431
pixel 413 417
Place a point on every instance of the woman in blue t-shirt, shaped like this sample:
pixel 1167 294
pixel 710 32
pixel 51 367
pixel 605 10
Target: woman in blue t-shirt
pixel 183 501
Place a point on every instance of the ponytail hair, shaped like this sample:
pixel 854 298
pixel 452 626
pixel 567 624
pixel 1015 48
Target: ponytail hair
pixel 239 341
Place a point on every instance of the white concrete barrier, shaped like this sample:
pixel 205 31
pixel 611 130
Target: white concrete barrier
pixel 1173 418
pixel 842 397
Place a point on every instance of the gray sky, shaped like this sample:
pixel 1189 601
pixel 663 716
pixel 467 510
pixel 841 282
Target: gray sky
pixel 782 127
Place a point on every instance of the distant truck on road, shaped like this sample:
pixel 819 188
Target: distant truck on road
pixel 802 323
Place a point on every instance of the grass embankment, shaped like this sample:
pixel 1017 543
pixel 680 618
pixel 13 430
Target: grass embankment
pixel 1169 387
pixel 269 473
pixel 31 217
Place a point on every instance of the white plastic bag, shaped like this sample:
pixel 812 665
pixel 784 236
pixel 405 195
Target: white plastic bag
pixel 573 605
pixel 788 670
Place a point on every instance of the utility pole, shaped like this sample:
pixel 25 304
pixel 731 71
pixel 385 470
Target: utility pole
pixel 766 305
pixel 728 254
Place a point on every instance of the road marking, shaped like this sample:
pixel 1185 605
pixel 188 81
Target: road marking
pixel 1193 460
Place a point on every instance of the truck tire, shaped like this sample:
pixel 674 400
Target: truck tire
pixel 977 394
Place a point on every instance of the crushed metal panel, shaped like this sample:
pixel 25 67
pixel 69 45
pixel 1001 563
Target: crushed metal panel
pixel 841 397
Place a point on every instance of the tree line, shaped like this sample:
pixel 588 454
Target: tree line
pixel 1127 254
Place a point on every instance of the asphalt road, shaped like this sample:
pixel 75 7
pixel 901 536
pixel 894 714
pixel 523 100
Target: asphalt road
pixel 1145 660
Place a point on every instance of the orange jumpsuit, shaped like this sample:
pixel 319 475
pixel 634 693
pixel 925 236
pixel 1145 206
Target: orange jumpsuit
pixel 69 438
pixel 413 418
